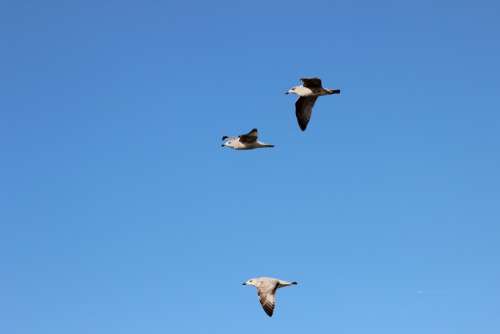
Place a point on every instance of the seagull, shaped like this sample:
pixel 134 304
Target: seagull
pixel 266 289
pixel 308 93
pixel 244 142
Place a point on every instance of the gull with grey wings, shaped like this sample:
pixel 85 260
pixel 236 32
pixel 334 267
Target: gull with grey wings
pixel 266 290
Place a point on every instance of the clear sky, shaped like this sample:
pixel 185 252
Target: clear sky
pixel 121 213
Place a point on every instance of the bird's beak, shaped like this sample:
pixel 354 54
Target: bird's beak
pixel 244 283
pixel 287 92
pixel 223 145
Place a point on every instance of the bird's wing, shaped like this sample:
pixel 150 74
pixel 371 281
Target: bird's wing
pixel 250 137
pixel 303 110
pixel 311 82
pixel 267 298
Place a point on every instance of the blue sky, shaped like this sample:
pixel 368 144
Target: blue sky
pixel 121 213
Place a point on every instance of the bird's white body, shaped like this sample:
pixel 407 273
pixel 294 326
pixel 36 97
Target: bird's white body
pixel 260 281
pixel 301 91
pixel 235 144
pixel 304 91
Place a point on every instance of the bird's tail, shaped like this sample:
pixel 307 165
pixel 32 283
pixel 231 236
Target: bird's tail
pixel 332 91
pixel 286 283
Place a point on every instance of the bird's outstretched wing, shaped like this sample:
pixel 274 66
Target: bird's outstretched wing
pixel 303 110
pixel 250 137
pixel 311 82
pixel 267 293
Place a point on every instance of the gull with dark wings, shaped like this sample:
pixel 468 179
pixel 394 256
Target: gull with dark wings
pixel 308 93
pixel 244 142
pixel 266 289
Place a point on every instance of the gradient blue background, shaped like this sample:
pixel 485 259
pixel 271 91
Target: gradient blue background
pixel 121 213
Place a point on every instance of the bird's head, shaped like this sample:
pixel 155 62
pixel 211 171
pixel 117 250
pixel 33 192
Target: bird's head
pixel 228 142
pixel 250 282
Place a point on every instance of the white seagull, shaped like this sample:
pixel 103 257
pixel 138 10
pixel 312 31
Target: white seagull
pixel 308 93
pixel 266 289
pixel 244 142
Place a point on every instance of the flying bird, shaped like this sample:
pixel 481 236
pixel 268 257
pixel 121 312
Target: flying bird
pixel 266 289
pixel 244 142
pixel 308 93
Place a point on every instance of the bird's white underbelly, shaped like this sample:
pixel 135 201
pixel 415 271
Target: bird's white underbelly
pixel 248 146
pixel 304 91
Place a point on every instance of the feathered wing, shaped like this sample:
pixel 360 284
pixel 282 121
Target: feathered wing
pixel 311 82
pixel 303 110
pixel 250 137
pixel 267 297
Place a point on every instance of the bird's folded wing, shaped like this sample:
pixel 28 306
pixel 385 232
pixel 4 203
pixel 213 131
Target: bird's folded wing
pixel 303 110
pixel 267 298
pixel 250 137
pixel 311 82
